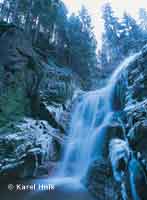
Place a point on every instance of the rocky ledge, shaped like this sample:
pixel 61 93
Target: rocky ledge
pixel 35 101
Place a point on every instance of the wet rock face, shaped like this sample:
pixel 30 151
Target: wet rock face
pixel 15 46
pixel 136 103
pixel 100 183
pixel 137 80
pixel 135 114
pixel 26 81
pixel 129 100
pixel 128 170
pixel 119 157
pixel 14 102
pixel 27 147
pixel 17 72
pixel 135 111
pixel 138 137
pixel 56 92
pixel 58 84
pixel 111 131
pixel 35 90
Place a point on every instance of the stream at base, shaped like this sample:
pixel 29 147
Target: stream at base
pixel 65 189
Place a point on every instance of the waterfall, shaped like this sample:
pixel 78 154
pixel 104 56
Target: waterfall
pixel 90 116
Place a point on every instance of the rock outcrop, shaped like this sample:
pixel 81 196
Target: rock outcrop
pixel 100 181
pixel 130 104
pixel 35 99
pixel 136 104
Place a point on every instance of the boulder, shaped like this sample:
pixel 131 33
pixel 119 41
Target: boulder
pixel 99 181
pixel 137 137
pixel 32 143
pixel 111 130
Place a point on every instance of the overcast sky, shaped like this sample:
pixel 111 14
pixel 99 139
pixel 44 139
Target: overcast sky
pixel 94 8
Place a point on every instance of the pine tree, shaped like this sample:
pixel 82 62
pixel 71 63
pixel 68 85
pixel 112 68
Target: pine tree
pixel 120 38
pixel 59 28
pixel 111 36
pixel 131 35
pixel 81 45
pixel 143 18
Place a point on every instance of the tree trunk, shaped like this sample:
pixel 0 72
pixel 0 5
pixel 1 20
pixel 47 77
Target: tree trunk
pixel 28 21
pixel 37 31
pixel 16 12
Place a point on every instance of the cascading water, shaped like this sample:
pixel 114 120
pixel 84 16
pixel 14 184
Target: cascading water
pixel 89 118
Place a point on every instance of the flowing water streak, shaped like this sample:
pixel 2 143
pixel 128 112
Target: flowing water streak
pixel 89 118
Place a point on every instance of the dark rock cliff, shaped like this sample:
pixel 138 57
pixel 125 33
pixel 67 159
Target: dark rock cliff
pixel 136 104
pixel 34 99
